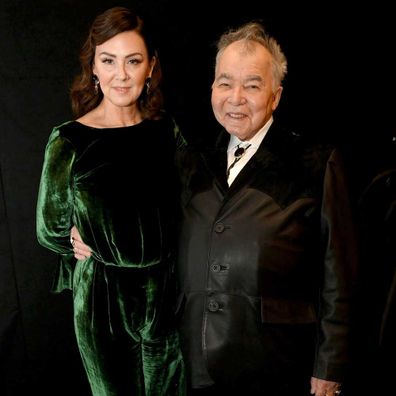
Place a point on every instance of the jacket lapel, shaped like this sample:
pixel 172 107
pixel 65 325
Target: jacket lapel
pixel 215 160
pixel 265 160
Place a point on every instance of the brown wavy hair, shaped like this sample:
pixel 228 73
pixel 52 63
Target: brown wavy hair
pixel 105 26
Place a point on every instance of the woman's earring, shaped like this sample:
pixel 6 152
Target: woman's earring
pixel 148 85
pixel 96 84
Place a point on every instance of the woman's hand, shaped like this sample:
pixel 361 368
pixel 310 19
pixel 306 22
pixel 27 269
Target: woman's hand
pixel 81 250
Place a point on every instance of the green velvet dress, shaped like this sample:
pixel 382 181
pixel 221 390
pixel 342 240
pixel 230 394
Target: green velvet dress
pixel 118 186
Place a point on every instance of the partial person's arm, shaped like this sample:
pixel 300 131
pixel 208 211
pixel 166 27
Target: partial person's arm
pixel 340 262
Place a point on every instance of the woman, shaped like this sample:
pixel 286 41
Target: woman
pixel 110 173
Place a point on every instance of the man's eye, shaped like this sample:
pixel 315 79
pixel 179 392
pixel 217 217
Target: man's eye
pixel 252 87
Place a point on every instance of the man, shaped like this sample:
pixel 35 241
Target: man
pixel 267 248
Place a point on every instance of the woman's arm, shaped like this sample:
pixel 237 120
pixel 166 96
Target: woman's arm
pixel 55 199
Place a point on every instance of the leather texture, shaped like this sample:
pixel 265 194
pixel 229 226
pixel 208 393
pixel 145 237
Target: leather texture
pixel 266 267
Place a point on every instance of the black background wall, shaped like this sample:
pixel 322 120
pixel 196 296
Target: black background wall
pixel 340 73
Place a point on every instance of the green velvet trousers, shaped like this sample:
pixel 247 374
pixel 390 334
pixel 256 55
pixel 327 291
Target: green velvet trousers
pixel 125 330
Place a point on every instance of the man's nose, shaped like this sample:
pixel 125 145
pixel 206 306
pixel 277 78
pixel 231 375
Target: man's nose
pixel 237 96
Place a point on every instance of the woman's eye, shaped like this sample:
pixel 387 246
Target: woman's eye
pixel 107 61
pixel 134 61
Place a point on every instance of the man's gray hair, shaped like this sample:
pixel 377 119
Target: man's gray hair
pixel 254 31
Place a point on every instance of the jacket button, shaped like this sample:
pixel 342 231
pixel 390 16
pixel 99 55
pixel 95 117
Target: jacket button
pixel 219 227
pixel 216 268
pixel 213 306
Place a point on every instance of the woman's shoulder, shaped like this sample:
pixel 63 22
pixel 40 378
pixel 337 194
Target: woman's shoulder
pixel 65 126
pixel 68 129
pixel 59 129
pixel 164 125
pixel 71 133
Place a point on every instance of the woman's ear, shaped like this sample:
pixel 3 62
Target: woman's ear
pixel 152 64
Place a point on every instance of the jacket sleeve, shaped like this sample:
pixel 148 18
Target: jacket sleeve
pixel 55 205
pixel 339 274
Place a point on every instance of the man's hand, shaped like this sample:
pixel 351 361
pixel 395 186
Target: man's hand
pixel 81 250
pixel 321 387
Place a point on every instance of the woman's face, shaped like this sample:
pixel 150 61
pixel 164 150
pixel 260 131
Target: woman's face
pixel 122 66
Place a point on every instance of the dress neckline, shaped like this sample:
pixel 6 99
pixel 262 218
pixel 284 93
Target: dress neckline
pixel 108 128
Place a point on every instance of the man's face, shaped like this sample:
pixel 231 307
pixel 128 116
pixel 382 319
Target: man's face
pixel 243 95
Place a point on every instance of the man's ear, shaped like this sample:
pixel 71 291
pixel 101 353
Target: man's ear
pixel 276 97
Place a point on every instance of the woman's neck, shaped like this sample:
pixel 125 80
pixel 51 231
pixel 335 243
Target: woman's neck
pixel 104 116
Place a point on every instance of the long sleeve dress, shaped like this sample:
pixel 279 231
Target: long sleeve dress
pixel 118 186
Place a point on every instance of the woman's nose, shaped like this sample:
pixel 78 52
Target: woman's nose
pixel 121 73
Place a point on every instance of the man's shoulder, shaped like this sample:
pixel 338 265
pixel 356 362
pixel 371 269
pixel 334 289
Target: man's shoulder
pixel 300 143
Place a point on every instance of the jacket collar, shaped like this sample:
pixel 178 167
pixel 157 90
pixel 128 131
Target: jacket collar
pixel 215 158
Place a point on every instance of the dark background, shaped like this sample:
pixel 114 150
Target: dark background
pixel 340 87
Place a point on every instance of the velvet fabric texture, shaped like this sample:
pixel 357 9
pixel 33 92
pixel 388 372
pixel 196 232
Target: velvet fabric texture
pixel 118 186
